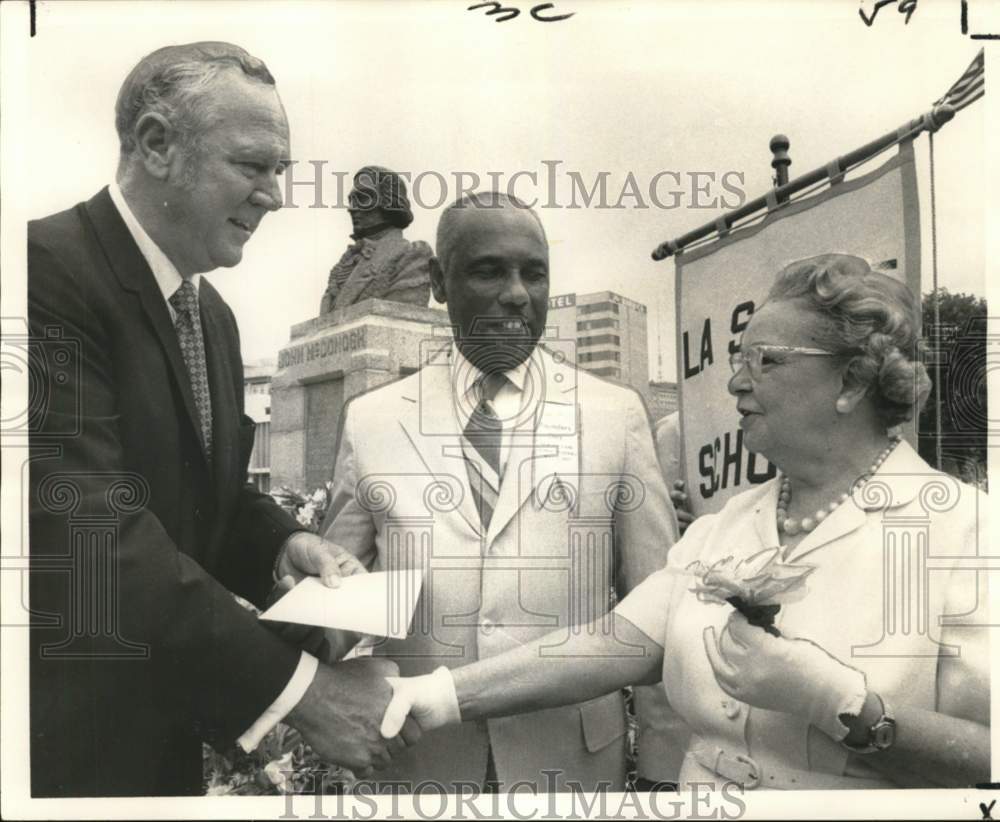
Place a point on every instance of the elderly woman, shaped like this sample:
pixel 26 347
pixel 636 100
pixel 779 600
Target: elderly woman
pixel 846 695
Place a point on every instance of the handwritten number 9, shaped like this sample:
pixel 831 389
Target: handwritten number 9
pixel 906 7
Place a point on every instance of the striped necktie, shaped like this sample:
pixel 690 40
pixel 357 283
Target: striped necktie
pixel 481 447
pixel 188 325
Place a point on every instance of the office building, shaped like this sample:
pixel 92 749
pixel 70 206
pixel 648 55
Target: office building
pixel 609 332
pixel 257 406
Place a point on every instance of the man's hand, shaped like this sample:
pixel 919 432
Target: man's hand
pixel 305 554
pixel 341 712
pixel 682 505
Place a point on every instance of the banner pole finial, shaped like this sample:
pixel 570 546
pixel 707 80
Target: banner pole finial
pixel 781 161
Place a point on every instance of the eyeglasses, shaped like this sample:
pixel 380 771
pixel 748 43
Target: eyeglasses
pixel 757 356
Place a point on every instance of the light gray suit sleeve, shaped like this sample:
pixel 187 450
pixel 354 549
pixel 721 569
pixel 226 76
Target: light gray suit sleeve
pixel 347 522
pixel 645 531
pixel 645 521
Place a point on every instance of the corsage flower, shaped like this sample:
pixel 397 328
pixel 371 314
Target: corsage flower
pixel 750 585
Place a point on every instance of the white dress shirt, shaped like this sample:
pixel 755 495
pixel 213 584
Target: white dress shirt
pixel 169 280
pixel 512 402
pixel 165 272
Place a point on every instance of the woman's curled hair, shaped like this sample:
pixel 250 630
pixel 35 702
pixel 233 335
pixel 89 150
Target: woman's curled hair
pixel 872 323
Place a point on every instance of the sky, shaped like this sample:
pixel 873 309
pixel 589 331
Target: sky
pixel 693 89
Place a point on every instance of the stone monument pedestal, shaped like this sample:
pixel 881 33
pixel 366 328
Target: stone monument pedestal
pixel 329 360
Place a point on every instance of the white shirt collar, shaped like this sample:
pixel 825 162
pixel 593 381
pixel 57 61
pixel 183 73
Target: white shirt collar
pixel 465 375
pixel 511 402
pixel 165 272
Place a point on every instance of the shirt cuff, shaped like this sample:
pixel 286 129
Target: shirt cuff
pixel 282 706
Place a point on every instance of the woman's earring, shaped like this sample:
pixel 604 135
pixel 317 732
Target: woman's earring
pixel 842 405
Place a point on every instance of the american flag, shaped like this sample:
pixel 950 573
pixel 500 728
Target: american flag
pixel 970 86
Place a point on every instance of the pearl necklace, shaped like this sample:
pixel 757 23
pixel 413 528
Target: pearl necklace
pixel 791 526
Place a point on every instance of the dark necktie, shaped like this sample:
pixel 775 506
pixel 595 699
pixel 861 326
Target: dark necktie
pixel 188 324
pixel 481 447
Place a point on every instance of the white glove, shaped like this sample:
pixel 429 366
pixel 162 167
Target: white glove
pixel 430 699
pixel 795 676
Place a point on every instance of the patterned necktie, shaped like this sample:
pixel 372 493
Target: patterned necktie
pixel 188 325
pixel 481 447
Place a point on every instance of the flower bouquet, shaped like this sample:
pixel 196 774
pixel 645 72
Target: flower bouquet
pixel 750 585
pixel 308 509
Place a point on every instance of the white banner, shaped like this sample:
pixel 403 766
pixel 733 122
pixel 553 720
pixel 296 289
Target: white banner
pixel 875 216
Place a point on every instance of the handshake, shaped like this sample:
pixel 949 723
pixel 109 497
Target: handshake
pixel 360 714
pixel 357 713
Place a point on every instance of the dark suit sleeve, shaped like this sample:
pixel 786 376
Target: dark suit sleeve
pixel 259 527
pixel 257 532
pixel 222 668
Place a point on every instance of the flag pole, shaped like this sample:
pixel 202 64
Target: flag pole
pixel 938 451
pixel 930 121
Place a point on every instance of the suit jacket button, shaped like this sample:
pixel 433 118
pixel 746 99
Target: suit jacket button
pixel 197 513
pixel 486 627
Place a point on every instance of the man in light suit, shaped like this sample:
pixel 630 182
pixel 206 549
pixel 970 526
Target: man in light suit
pixel 526 489
pixel 667 434
pixel 142 525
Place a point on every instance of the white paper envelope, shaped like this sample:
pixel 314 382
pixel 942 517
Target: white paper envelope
pixel 380 603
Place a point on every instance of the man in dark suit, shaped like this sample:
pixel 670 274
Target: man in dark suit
pixel 142 525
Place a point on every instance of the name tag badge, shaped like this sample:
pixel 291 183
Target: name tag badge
pixel 558 438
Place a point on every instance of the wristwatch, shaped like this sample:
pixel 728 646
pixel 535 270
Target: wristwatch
pixel 881 733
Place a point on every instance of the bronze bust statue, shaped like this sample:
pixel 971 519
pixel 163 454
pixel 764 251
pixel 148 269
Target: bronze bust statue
pixel 380 262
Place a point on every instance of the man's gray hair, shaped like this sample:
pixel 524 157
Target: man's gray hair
pixel 173 81
pixel 447 229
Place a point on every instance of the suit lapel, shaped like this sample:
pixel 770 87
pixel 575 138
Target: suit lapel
pixel 134 274
pixel 552 432
pixel 555 443
pixel 221 384
pixel 431 427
